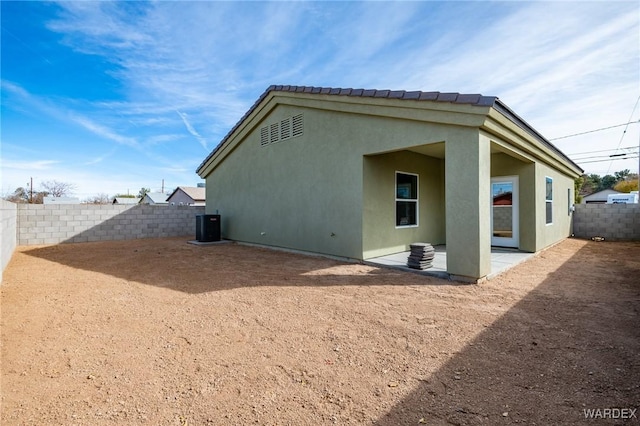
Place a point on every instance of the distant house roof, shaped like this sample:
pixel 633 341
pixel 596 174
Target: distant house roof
pixel 503 199
pixel 126 200
pixel 195 195
pixel 154 198
pixel 599 197
pixel 456 98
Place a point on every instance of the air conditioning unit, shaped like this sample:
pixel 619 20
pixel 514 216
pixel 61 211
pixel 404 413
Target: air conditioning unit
pixel 208 228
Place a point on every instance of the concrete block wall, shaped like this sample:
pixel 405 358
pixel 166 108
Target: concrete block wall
pixel 614 222
pixel 8 232
pixel 53 224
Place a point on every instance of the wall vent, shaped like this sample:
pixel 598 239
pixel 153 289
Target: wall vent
pixel 285 128
pixel 290 127
pixel 297 125
pixel 274 134
pixel 264 136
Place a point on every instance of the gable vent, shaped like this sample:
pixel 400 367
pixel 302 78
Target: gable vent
pixel 274 133
pixel 285 128
pixel 264 136
pixel 288 128
pixel 297 125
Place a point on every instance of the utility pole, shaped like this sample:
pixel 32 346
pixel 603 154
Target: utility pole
pixel 162 186
pixel 31 190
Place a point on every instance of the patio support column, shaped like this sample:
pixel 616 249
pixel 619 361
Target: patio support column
pixel 467 193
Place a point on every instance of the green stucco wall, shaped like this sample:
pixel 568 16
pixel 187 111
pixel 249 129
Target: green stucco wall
pixel 506 165
pixel 467 184
pixel 332 189
pixel 561 227
pixel 302 193
pixel 380 234
pixel 306 193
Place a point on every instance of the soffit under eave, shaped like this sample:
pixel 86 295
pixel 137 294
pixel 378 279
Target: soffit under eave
pixel 511 134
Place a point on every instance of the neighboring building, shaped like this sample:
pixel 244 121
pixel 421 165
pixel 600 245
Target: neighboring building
pixel 187 196
pixel 363 173
pixel 154 198
pixel 599 197
pixel 126 200
pixel 60 200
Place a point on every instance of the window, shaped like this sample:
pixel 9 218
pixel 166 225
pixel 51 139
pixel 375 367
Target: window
pixel 549 200
pixel 406 199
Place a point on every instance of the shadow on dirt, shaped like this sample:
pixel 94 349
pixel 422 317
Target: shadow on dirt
pixel 173 263
pixel 576 346
pixel 577 350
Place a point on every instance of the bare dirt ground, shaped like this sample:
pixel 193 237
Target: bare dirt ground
pixel 161 332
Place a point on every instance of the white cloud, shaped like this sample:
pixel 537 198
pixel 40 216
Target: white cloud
pixel 191 130
pixel 563 66
pixel 35 165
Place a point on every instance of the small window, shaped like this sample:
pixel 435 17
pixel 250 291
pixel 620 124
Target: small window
pixel 406 199
pixel 549 200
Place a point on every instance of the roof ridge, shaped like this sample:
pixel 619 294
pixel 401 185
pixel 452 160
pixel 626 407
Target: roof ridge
pixel 416 95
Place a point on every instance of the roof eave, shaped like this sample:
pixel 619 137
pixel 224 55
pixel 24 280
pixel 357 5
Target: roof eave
pixel 507 112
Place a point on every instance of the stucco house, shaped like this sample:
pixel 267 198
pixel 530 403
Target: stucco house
pixel 361 173
pixel 187 196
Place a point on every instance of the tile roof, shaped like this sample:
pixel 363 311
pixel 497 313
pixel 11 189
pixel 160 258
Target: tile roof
pixel 452 97
pixel 196 193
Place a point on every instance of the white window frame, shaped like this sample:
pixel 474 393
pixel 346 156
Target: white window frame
pixel 416 200
pixel 548 200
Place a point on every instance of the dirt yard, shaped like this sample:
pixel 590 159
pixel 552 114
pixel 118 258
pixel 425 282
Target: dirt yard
pixel 160 332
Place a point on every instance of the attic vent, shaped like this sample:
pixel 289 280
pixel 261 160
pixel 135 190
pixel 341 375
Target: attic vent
pixel 288 128
pixel 264 136
pixel 297 125
pixel 285 128
pixel 274 134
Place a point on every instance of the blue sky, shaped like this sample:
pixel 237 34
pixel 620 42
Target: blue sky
pixel 115 96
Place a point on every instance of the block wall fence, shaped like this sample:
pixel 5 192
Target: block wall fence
pixel 614 222
pixel 79 223
pixel 8 232
pixel 31 224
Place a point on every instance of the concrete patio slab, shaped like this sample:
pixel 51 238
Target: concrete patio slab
pixel 502 259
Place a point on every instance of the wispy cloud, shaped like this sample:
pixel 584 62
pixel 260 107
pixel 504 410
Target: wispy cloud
pixel 100 159
pixel 103 131
pixel 563 66
pixel 191 130
pixel 36 165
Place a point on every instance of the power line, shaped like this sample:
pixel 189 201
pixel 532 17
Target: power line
pixel 601 150
pixel 620 154
pixel 594 157
pixel 625 129
pixel 596 130
pixel 607 159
